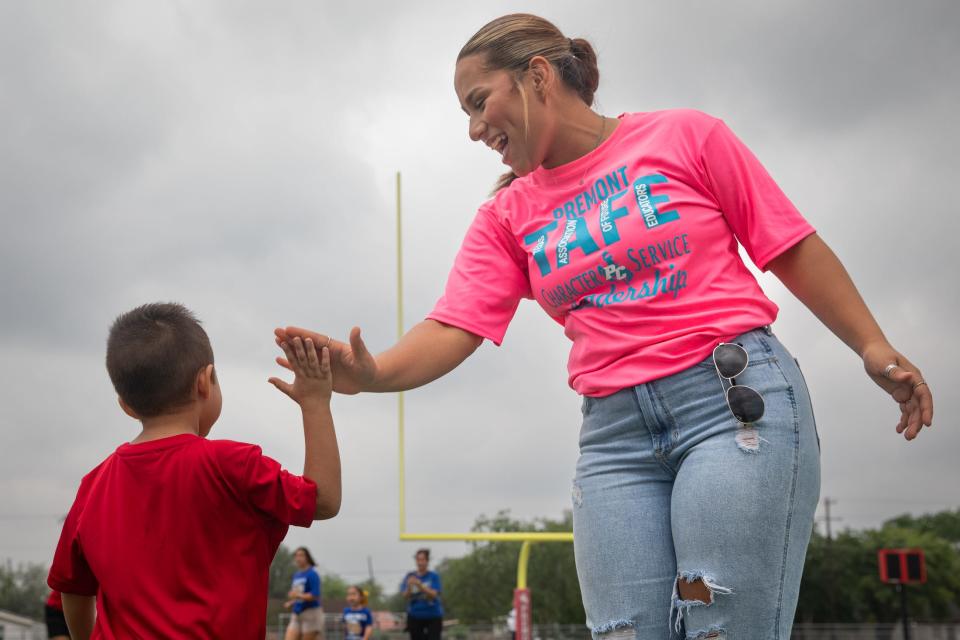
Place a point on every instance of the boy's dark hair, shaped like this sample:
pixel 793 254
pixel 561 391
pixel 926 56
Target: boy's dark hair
pixel 424 551
pixel 154 353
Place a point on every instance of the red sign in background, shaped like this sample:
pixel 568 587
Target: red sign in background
pixel 902 566
pixel 524 613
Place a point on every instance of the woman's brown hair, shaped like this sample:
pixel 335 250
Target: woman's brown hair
pixel 509 42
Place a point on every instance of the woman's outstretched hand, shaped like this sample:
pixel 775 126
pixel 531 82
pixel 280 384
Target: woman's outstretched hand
pixel 896 375
pixel 354 368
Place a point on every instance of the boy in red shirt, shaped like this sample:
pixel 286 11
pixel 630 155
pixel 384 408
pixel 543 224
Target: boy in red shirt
pixel 172 535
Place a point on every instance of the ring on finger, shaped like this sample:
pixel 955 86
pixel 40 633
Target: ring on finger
pixel 889 369
pixel 922 382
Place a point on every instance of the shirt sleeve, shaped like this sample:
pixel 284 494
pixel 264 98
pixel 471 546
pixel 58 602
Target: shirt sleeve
pixel 488 280
pixel 265 485
pixel 763 219
pixel 313 584
pixel 70 572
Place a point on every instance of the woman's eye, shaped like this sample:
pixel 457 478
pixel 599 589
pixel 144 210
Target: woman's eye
pixel 480 104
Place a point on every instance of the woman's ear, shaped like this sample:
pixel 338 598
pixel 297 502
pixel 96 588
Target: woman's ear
pixel 541 73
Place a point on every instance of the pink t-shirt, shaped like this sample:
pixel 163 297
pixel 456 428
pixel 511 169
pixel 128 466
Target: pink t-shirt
pixel 632 248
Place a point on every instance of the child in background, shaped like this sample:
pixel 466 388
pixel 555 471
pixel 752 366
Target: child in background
pixel 357 618
pixel 306 623
pixel 174 533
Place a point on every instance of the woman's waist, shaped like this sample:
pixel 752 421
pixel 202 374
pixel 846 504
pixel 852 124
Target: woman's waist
pixel 603 362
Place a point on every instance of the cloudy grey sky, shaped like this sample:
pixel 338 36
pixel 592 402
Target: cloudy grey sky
pixel 239 157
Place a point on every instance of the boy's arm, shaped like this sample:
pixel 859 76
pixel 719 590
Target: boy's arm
pixel 80 613
pixel 311 389
pixel 321 461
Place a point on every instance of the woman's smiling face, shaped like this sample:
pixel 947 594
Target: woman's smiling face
pixel 500 116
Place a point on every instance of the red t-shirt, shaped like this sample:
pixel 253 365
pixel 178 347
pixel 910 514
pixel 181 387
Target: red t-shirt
pixel 175 538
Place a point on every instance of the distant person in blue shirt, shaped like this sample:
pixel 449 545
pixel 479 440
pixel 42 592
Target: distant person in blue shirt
pixel 422 589
pixel 307 620
pixel 357 619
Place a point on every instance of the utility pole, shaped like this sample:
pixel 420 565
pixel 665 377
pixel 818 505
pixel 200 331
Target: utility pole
pixel 828 558
pixel 828 518
pixel 904 615
pixel 826 507
pixel 370 569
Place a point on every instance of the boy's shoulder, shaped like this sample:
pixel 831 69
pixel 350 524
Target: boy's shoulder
pixel 227 453
pixel 239 461
pixel 90 479
pixel 233 448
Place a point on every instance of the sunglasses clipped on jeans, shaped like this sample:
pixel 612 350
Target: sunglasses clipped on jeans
pixel 730 360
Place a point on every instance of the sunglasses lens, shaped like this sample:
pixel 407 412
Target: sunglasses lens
pixel 730 359
pixel 745 403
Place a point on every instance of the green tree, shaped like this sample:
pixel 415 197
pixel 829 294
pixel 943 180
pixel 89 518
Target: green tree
pixel 478 587
pixel 397 602
pixel 334 587
pixel 23 588
pixel 281 573
pixel 945 524
pixel 841 578
pixel 937 599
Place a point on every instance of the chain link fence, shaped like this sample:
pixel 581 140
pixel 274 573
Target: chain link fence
pixel 918 631
pixel 333 627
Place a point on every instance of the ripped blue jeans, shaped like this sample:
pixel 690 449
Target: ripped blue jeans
pixel 670 487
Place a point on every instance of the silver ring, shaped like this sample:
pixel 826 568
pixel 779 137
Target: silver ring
pixel 922 382
pixel 889 369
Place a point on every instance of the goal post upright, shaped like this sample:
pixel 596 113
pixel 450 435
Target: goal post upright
pixel 524 537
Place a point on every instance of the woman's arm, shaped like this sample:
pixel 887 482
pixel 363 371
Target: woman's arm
pixel 814 274
pixel 407 590
pixel 428 591
pixel 429 350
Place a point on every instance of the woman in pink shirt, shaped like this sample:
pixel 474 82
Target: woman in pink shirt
pixel 698 476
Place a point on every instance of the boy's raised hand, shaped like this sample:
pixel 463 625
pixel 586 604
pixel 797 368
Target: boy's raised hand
pixel 354 367
pixel 313 380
